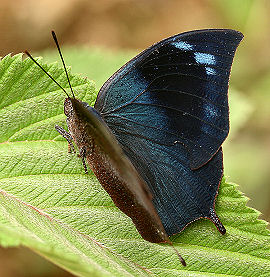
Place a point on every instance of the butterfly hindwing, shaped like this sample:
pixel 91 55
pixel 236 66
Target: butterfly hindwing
pixel 168 108
pixel 180 195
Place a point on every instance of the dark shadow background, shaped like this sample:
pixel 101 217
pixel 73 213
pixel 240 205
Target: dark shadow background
pixel 135 24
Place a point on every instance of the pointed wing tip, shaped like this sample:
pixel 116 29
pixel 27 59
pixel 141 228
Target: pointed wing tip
pixel 234 34
pixel 237 35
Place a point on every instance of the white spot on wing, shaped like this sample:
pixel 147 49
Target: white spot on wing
pixel 204 58
pixel 211 111
pixel 210 71
pixel 211 114
pixel 182 45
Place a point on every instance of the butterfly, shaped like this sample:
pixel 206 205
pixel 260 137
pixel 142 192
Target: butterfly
pixel 154 135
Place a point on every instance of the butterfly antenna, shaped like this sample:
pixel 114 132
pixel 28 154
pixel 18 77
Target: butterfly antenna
pixel 28 54
pixel 60 53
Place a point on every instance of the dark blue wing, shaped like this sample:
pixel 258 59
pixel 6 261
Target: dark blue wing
pixel 168 108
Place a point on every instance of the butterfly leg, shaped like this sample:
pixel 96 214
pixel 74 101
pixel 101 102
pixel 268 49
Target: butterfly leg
pixel 83 156
pixel 67 136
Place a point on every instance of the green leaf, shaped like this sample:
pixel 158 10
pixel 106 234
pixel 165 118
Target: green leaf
pixel 48 204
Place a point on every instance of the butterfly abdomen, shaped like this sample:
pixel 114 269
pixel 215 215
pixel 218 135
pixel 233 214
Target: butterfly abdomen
pixel 122 198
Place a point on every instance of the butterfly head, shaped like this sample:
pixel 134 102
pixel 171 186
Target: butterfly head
pixel 68 107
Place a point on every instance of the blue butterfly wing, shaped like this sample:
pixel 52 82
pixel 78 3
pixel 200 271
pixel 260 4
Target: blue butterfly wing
pixel 168 108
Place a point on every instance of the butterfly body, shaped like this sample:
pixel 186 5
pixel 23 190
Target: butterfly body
pixel 117 175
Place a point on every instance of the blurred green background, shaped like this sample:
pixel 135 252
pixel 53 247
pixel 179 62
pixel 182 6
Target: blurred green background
pixel 99 36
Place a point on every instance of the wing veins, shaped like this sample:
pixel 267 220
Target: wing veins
pixel 146 138
pixel 180 74
pixel 186 51
pixel 176 157
pixel 186 180
pixel 161 192
pixel 145 90
pixel 189 64
pixel 140 124
pixel 165 107
pixel 188 93
pixel 178 110
pixel 189 75
pixel 152 127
